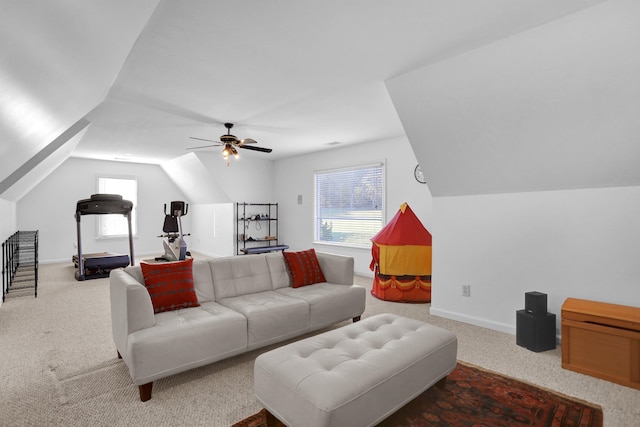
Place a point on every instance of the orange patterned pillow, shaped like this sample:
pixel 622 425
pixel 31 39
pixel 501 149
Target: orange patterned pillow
pixel 304 268
pixel 170 285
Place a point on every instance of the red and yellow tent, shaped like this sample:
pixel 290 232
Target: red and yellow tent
pixel 401 261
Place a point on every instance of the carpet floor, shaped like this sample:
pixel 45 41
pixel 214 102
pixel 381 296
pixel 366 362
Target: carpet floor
pixel 58 365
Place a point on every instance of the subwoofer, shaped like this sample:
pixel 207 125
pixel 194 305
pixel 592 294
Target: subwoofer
pixel 536 332
pixel 535 302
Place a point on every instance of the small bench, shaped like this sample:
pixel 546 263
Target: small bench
pixel 356 375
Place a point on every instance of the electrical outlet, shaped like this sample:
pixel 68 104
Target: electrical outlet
pixel 466 290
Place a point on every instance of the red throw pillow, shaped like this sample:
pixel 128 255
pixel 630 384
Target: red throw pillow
pixel 170 285
pixel 304 268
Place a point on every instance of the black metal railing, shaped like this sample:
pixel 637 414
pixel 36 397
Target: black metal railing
pixel 20 262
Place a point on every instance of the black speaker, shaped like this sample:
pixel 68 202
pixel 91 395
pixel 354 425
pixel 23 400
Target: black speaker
pixel 535 302
pixel 536 332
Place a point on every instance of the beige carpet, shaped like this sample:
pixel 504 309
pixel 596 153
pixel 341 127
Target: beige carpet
pixel 58 365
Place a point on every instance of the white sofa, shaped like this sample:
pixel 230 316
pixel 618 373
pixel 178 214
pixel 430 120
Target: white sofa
pixel 246 302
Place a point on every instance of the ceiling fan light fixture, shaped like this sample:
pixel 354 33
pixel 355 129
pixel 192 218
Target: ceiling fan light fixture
pixel 230 143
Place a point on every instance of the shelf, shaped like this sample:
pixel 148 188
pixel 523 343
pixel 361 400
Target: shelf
pixel 248 216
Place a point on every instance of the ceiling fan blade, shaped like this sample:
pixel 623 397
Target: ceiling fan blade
pixel 247 141
pixel 202 139
pixel 251 147
pixel 204 146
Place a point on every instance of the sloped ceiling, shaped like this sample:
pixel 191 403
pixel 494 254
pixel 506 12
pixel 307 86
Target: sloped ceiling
pixel 30 173
pixel 555 107
pixel 57 61
pixel 495 92
pixel 295 76
pixel 194 179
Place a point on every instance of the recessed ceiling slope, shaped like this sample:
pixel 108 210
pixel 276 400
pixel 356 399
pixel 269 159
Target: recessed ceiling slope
pixel 57 62
pixel 292 75
pixel 547 109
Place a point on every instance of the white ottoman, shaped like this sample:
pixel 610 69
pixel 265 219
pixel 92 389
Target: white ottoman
pixel 356 375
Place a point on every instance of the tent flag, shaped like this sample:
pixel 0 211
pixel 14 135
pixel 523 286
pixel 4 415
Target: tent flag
pixel 401 259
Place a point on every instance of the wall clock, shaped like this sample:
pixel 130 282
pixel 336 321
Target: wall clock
pixel 417 172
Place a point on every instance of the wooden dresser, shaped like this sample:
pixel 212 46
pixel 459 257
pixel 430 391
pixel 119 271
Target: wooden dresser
pixel 602 340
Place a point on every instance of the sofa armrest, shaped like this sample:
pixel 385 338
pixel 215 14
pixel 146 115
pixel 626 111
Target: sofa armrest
pixel 337 269
pixel 131 308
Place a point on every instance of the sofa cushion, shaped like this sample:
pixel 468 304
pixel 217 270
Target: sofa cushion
pixel 170 285
pixel 271 316
pixel 278 270
pixel 185 339
pixel 203 282
pixel 240 275
pixel 136 272
pixel 304 268
pixel 328 302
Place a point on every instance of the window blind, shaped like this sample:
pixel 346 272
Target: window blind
pixel 349 204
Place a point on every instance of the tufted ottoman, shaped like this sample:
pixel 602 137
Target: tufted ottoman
pixel 356 375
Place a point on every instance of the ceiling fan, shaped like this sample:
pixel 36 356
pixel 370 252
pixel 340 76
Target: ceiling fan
pixel 231 144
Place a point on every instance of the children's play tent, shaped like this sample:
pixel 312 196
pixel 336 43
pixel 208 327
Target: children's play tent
pixel 401 261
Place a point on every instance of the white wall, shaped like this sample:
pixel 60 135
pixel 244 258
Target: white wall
pixel 213 232
pixel 554 107
pixel 573 243
pixel 51 205
pixel 248 179
pixel 294 176
pixel 8 224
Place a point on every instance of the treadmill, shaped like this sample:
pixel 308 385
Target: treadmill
pixel 98 265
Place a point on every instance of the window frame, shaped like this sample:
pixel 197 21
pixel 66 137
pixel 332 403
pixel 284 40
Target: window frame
pixel 317 220
pixel 106 217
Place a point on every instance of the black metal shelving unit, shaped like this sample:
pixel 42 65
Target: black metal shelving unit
pixel 257 228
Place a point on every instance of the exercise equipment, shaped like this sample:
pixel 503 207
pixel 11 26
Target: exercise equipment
pixel 175 248
pixel 93 266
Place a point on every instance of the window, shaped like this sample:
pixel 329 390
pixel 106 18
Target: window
pixel 112 225
pixel 349 205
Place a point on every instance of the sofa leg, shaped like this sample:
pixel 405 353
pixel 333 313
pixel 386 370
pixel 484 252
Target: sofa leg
pixel 442 384
pixel 356 319
pixel 145 391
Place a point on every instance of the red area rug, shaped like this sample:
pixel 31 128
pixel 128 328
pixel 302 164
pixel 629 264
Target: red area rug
pixel 476 397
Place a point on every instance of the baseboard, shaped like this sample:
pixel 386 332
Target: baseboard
pixel 366 273
pixel 206 254
pixel 484 323
pixel 477 321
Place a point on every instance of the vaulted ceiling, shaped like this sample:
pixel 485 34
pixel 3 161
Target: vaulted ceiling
pixel 481 88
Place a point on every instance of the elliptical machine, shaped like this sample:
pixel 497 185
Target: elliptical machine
pixel 175 248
